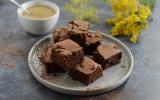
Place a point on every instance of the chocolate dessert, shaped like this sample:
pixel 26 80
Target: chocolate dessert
pixel 87 72
pixel 107 55
pixel 50 65
pixel 93 40
pixel 67 54
pixel 77 31
pixel 79 25
pixel 71 46
pixel 60 34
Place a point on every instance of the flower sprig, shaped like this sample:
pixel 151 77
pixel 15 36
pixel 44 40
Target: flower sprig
pixel 130 18
pixel 82 10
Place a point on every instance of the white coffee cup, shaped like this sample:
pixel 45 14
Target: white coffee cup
pixel 38 26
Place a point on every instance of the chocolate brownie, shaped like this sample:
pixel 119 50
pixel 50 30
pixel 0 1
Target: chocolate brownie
pixel 50 65
pixel 93 40
pixel 79 25
pixel 77 31
pixel 107 55
pixel 67 54
pixel 60 34
pixel 86 72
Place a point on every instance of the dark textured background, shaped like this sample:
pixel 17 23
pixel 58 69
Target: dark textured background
pixel 17 82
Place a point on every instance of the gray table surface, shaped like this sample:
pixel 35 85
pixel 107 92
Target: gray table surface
pixel 17 82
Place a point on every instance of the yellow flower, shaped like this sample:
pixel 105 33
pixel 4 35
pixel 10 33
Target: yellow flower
pixel 124 6
pixel 144 12
pixel 130 18
pixel 115 20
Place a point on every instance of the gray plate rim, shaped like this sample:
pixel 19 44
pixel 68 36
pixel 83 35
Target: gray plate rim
pixel 77 91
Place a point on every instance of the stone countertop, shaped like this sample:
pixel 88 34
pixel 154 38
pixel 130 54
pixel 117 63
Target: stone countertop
pixel 17 82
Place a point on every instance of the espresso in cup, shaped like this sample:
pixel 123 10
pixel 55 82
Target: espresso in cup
pixel 39 12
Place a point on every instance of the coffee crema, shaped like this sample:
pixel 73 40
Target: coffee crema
pixel 39 12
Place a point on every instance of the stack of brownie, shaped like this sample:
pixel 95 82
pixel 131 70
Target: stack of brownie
pixel 80 52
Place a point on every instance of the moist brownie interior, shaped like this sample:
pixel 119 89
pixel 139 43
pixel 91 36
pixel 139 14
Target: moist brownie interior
pixel 93 40
pixel 50 66
pixel 77 31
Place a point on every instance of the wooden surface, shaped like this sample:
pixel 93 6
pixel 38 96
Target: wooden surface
pixel 17 83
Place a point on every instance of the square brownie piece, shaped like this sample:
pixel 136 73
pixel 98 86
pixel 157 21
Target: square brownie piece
pixel 77 31
pixel 93 40
pixel 67 54
pixel 50 66
pixel 86 72
pixel 79 25
pixel 107 55
pixel 60 34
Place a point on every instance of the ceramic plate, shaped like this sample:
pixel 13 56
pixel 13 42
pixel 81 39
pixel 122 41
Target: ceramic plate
pixel 111 79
